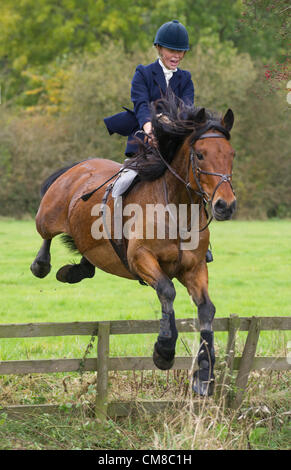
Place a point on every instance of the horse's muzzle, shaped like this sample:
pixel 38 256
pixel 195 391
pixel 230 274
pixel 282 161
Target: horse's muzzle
pixel 221 210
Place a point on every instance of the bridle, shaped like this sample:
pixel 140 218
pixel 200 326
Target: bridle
pixel 224 177
pixel 196 170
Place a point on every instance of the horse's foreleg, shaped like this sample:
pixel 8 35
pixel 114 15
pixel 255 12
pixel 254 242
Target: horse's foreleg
pixel 147 267
pixel 203 379
pixel 41 265
pixel 164 349
pixel 196 282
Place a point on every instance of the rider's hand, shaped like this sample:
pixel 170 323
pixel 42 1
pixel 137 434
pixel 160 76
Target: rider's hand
pixel 149 131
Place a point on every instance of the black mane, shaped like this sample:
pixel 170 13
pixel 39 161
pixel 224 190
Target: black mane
pixel 173 121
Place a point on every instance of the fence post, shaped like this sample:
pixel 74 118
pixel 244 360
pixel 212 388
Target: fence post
pixel 226 374
pixel 102 370
pixel 246 362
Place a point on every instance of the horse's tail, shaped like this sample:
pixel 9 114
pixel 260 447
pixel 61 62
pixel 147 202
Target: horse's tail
pixel 69 242
pixel 52 178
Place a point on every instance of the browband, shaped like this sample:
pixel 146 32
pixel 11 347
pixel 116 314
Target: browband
pixel 211 134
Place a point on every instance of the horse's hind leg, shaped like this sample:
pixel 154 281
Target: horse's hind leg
pixel 41 265
pixel 73 273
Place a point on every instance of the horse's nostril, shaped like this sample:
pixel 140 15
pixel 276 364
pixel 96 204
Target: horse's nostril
pixel 223 210
pixel 220 205
pixel 233 206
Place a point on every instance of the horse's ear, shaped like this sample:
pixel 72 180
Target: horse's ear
pixel 200 116
pixel 228 120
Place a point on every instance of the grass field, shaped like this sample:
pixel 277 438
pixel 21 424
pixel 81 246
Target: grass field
pixel 250 276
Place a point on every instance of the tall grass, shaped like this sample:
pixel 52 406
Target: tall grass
pixel 200 424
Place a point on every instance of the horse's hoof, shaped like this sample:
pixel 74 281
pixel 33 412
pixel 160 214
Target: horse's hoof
pixel 40 268
pixel 63 274
pixel 202 385
pixel 161 362
pixel 73 273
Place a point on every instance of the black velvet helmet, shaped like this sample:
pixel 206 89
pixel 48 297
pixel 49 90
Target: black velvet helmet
pixel 172 35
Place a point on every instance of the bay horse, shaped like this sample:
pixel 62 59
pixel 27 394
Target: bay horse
pixel 190 163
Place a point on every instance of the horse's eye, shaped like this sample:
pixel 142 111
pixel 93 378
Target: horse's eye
pixel 199 156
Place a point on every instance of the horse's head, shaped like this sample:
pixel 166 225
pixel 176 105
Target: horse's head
pixel 211 159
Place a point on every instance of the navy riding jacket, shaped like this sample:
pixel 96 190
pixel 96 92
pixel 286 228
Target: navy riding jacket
pixel 147 85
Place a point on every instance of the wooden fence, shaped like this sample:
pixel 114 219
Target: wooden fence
pixel 103 363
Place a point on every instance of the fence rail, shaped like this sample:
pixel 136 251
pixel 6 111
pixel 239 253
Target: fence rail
pixel 103 363
pixel 128 327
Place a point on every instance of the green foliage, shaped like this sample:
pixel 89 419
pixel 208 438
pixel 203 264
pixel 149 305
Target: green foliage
pixel 262 169
pixel 66 125
pixel 36 34
pixel 268 22
pixel 202 19
pixel 66 65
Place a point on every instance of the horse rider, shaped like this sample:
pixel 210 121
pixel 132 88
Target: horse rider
pixel 148 84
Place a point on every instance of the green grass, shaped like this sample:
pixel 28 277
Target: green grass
pixel 250 275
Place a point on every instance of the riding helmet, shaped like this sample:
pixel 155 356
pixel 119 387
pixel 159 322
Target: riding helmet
pixel 172 35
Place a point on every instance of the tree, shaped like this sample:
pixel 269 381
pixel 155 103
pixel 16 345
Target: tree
pixel 268 22
pixel 33 34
